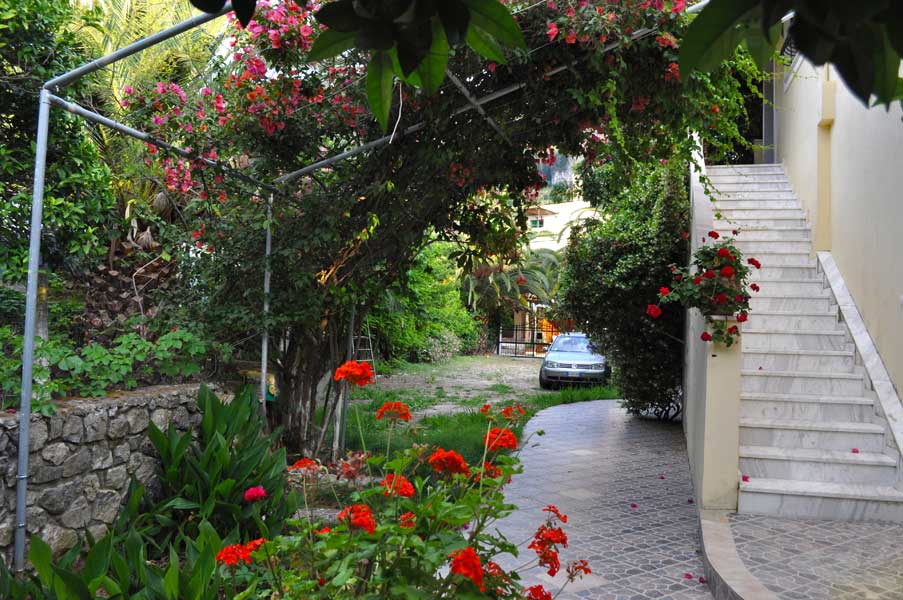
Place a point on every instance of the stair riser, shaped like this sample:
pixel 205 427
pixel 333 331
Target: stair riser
pixel 762 208
pixel 765 195
pixel 822 440
pixel 817 471
pixel 767 215
pixel 790 288
pixel 793 322
pixel 814 507
pixel 729 179
pixel 797 362
pixel 782 187
pixel 802 385
pixel 772 234
pixel 806 411
pixel 729 223
pixel 757 302
pixel 771 260
pixel 781 246
pixel 744 170
pixel 793 341
pixel 786 272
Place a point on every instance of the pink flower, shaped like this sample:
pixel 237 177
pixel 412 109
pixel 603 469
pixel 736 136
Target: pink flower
pixel 633 506
pixel 306 30
pixel 855 450
pixel 702 579
pixel 745 478
pixel 688 575
pixel 680 6
pixel 128 90
pixel 552 32
pixel 253 494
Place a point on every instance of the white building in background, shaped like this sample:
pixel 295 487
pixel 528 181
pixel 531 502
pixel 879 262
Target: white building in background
pixel 550 224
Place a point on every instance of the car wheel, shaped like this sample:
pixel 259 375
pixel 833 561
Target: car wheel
pixel 544 384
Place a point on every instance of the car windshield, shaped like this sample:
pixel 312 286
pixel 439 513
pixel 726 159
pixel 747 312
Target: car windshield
pixel 571 344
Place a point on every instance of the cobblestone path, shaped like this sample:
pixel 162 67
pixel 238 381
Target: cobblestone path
pixel 624 483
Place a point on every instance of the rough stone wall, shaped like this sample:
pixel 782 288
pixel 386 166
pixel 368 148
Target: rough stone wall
pixel 82 459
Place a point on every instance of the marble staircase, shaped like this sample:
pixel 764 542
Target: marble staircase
pixel 813 443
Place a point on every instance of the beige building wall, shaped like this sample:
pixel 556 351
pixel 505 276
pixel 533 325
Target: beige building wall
pixel 845 162
pixel 556 227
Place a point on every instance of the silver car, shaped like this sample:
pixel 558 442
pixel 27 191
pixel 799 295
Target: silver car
pixel 571 359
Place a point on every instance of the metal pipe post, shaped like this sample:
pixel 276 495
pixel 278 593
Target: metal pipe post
pixel 265 338
pixel 31 304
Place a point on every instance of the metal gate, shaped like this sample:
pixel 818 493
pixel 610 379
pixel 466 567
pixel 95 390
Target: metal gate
pixel 531 342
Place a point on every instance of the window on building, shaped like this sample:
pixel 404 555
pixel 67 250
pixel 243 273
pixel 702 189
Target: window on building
pixel 536 223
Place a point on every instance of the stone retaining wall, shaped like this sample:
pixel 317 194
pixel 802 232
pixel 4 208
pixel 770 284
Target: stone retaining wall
pixel 82 460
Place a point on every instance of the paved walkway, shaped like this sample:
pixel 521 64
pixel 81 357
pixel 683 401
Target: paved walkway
pixel 822 560
pixel 625 485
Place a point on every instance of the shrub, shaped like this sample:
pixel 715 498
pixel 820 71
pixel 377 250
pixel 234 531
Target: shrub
pixel 614 269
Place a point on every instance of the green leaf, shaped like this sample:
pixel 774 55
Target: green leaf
pixel 379 87
pixel 761 45
pixel 41 557
pixel 887 66
pixel 412 79
pixel 68 585
pixel 713 36
pixel 329 43
pixel 432 68
pixel 484 44
pixel 340 16
pixel 171 579
pixel 494 18
pixel 97 562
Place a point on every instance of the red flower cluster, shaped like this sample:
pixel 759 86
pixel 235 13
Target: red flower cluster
pixel 253 494
pixel 553 510
pixel 500 439
pixel 653 311
pixel 309 466
pixel 230 555
pixel 358 516
pixel 754 263
pixel 448 461
pixel 397 485
pixel 578 568
pixel 358 373
pixel 490 471
pixel 725 253
pixel 545 543
pixel 508 411
pixel 394 411
pixel 466 563
pixel 407 520
pixel 537 592
pixel 706 336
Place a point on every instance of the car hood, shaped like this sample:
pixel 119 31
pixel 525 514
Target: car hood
pixel 574 357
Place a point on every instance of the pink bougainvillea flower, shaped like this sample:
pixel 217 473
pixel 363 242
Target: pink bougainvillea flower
pixel 745 478
pixel 253 494
pixel 688 575
pixel 702 579
pixel 661 475
pixel 633 506
pixel 552 31
pixel 855 450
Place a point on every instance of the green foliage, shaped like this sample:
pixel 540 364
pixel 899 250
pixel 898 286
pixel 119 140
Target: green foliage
pixel 422 317
pixel 863 40
pixel 204 479
pixel 615 267
pixel 41 39
pixel 92 370
pixel 558 193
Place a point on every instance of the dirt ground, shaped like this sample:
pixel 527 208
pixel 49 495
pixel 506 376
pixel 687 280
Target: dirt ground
pixel 466 381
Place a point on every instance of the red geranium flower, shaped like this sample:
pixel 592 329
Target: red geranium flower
pixel 358 516
pixel 754 287
pixel 754 263
pixel 727 272
pixel 448 461
pixel 397 485
pixel 394 411
pixel 733 330
pixel 709 274
pixel 552 509
pixel 230 555
pixel 706 336
pixel 253 494
pixel 406 520
pixel 741 317
pixel 255 544
pixel 489 470
pixel 714 235
pixel 358 373
pixel 578 568
pixel 725 253
pixel 663 291
pixel 498 439
pixel 653 311
pixel 485 409
pixel 537 592
pixel 305 464
pixel 720 299
pixel 466 563
pixel 697 280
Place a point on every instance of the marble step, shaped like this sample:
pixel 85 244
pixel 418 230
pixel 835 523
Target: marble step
pixel 747 170
pixel 803 407
pixel 791 287
pixel 722 178
pixel 730 187
pixel 786 246
pixel 841 361
pixel 791 320
pixel 766 301
pixel 821 500
pixel 727 223
pixel 741 215
pixel 787 272
pixel 823 435
pixel 770 339
pixel 804 464
pixel 758 233
pixel 763 197
pixel 802 382
pixel 746 204
pixel 770 258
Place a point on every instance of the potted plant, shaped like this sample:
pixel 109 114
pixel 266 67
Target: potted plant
pixel 716 283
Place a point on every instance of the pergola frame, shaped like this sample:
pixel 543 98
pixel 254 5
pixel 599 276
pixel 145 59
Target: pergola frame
pixel 48 97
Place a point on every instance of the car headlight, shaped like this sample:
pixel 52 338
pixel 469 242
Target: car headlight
pixel 552 364
pixel 597 366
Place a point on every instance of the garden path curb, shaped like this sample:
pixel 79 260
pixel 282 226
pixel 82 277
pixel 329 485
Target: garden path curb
pixel 728 577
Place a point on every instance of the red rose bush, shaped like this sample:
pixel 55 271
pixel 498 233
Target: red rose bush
pixel 716 283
